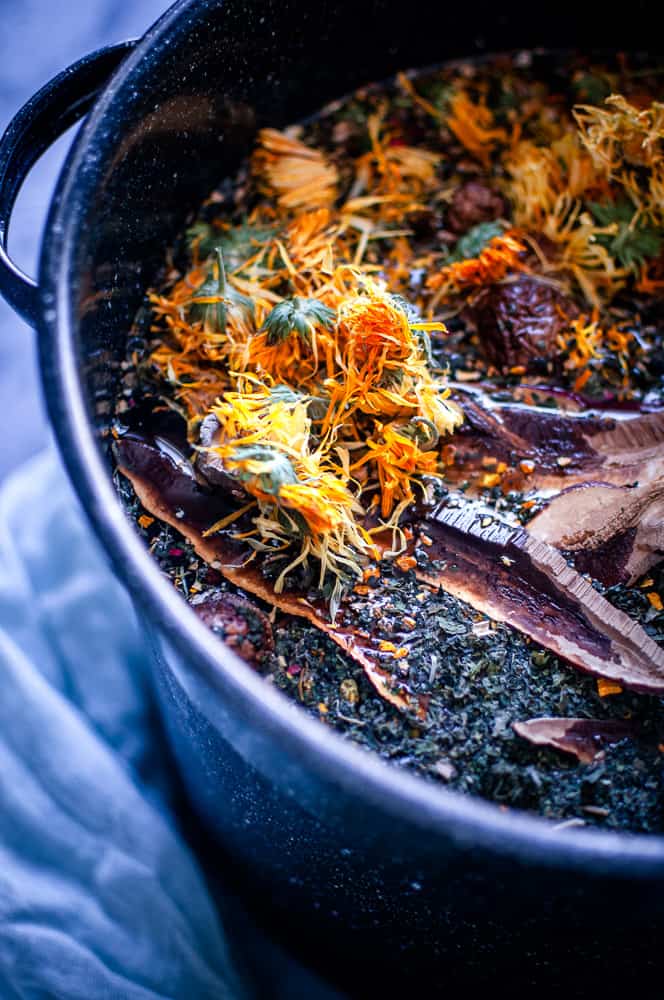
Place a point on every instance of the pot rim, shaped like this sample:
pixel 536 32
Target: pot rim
pixel 435 809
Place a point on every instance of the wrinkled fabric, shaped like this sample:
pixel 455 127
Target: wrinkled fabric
pixel 99 895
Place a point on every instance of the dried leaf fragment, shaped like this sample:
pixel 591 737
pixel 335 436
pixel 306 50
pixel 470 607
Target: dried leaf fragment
pixel 584 738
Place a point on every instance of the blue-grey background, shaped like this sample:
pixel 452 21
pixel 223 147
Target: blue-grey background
pixel 38 38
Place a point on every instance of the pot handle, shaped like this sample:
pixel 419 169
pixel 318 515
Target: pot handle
pixel 46 116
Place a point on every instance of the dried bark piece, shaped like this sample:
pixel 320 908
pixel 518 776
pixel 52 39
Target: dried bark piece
pixel 613 533
pixel 519 321
pixel 239 622
pixel 210 465
pixel 499 570
pixel 512 577
pixel 585 738
pixel 168 490
pixel 472 203
pixel 565 448
pixel 172 478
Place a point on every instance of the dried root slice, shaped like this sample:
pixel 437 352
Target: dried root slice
pixel 170 477
pixel 585 738
pixel 565 448
pixel 615 533
pixel 512 577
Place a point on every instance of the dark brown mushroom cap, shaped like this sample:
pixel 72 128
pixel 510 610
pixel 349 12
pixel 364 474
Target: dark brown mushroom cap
pixel 518 321
pixel 238 621
pixel 473 203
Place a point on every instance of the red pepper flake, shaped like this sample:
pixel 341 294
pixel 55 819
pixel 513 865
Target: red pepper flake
pixel 176 553
pixel 293 670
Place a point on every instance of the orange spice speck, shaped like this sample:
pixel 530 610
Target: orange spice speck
pixel 581 380
pixel 448 454
pixel 527 504
pixel 527 467
pixel 361 589
pixel 426 540
pixel 401 652
pixel 490 480
pixel 145 520
pixel 406 562
pixel 606 687
pixel 656 601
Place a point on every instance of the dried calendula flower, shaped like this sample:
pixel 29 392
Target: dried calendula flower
pixel 301 177
pixel 627 144
pixel 472 123
pixel 215 297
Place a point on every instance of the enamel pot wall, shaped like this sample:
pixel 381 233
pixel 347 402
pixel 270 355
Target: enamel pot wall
pixel 386 882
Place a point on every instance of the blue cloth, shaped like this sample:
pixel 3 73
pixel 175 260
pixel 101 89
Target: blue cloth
pixel 99 895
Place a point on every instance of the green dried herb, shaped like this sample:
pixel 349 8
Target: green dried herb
pixel 633 243
pixel 214 314
pixel 237 244
pixel 592 88
pixel 300 316
pixel 276 470
pixel 474 241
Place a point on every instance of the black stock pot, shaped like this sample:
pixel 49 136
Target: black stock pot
pixel 388 883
